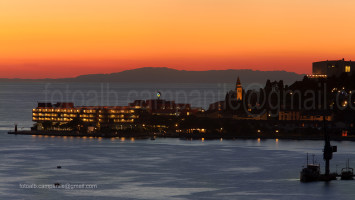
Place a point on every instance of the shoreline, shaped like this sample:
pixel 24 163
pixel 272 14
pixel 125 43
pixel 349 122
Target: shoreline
pixel 181 136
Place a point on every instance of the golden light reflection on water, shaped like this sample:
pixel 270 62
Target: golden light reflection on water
pixel 132 139
pixel 203 139
pixel 123 139
pixel 259 140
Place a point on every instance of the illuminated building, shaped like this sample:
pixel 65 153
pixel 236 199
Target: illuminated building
pixel 60 114
pixel 233 97
pixel 330 68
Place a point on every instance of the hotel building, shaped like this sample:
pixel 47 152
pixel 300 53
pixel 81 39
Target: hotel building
pixel 60 114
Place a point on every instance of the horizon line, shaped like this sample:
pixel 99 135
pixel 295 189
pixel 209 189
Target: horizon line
pixel 171 68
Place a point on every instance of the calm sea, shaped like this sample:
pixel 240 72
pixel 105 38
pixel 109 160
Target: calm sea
pixel 127 168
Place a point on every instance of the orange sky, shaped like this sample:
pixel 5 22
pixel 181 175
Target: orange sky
pixel 53 39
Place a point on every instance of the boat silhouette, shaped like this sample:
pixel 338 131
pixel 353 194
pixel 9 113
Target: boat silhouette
pixel 347 173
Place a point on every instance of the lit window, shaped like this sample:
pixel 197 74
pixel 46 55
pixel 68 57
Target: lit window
pixel 347 69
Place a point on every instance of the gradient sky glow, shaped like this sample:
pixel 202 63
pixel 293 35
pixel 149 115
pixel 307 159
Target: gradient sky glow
pixel 66 38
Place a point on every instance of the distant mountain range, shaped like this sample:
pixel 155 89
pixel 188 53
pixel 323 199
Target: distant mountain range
pixel 167 75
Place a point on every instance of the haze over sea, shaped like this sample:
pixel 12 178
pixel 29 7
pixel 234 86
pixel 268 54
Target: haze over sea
pixel 128 168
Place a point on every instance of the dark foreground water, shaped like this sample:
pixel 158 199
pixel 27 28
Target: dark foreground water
pixel 124 168
pixel 164 169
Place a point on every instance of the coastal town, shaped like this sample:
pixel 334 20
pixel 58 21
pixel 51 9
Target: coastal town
pixel 294 111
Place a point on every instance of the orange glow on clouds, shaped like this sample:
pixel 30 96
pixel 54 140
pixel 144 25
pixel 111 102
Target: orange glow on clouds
pixel 53 39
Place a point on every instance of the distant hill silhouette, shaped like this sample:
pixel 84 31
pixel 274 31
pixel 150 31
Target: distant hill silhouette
pixel 167 75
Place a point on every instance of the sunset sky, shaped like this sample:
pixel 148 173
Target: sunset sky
pixel 66 38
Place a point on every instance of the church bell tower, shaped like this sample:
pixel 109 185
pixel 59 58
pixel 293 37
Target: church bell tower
pixel 239 90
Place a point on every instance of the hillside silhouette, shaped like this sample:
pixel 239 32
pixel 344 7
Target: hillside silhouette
pixel 168 75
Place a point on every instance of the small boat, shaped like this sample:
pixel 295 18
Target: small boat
pixel 347 173
pixel 59 167
pixel 311 172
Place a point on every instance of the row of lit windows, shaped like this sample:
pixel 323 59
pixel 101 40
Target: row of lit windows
pixel 88 120
pixel 78 111
pixel 89 111
pixel 51 119
pixel 119 116
pixel 88 116
pixel 120 111
pixel 317 76
pixel 123 120
pixel 59 119
pixel 116 116
pixel 81 116
pixel 68 115
pixel 63 110
pixel 45 114
pixel 56 110
pixel 70 119
pixel 53 115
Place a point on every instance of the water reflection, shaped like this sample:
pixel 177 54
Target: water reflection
pixel 231 169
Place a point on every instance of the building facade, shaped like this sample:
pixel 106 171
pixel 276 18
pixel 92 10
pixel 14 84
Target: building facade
pixel 57 116
pixel 332 68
